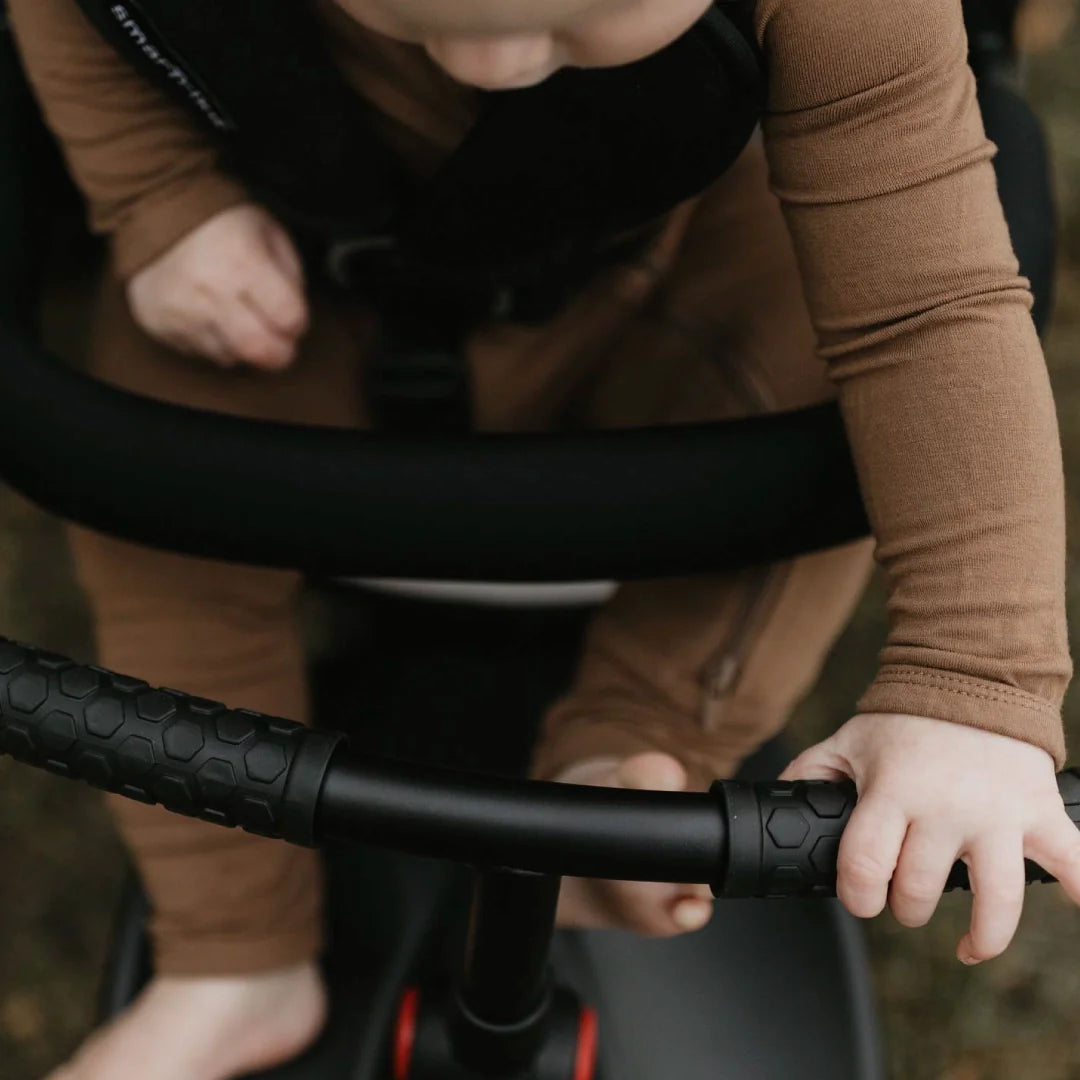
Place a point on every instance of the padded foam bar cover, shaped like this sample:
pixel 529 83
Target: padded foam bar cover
pixel 644 503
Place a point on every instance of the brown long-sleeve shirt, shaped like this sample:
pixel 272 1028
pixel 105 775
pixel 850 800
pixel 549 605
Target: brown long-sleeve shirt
pixel 877 151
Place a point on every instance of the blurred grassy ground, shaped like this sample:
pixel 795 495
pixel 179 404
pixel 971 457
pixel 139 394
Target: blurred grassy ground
pixel 1016 1019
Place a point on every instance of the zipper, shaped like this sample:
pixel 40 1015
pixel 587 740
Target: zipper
pixel 724 668
pixel 748 388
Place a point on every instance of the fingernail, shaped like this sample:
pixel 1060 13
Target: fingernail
pixel 968 960
pixel 692 915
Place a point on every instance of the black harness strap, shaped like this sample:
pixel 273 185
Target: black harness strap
pixel 258 75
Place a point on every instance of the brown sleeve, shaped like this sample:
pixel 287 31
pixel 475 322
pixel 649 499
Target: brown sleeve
pixel 877 151
pixel 148 174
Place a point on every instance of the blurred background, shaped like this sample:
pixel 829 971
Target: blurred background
pixel 61 867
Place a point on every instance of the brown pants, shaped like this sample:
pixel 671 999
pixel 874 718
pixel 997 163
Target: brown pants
pixel 711 325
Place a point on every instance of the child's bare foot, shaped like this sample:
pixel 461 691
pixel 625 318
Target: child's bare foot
pixel 657 910
pixel 206 1028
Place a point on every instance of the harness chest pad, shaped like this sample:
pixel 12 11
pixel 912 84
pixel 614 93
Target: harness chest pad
pixel 545 178
pixel 591 155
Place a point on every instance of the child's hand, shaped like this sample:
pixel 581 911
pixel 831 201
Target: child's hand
pixel 658 910
pixel 232 290
pixel 931 792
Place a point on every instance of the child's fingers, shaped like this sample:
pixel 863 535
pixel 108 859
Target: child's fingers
pixel 211 343
pixel 658 910
pixel 693 914
pixel 869 851
pixel 817 763
pixel 651 772
pixel 921 873
pixel 997 884
pixel 283 251
pixel 1056 848
pixel 252 340
pixel 694 907
pixel 279 302
pixel 653 909
pixel 203 341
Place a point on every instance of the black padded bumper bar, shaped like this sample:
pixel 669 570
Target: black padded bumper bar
pixel 643 503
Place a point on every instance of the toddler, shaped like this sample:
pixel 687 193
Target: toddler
pixel 878 267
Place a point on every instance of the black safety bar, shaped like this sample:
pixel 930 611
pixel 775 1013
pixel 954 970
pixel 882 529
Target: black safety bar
pixel 624 504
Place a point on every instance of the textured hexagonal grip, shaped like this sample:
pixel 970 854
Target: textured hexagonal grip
pixel 783 838
pixel 194 757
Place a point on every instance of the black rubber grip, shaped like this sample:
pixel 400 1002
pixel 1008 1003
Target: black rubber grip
pixel 195 757
pixel 783 838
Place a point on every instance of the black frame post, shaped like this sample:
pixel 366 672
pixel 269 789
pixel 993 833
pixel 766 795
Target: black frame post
pixel 504 999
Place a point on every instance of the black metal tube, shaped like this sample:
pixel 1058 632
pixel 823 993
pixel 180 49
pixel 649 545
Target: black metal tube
pixel 545 828
pixel 506 956
pixel 503 1003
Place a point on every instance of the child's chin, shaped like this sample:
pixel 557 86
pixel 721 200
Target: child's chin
pixel 521 81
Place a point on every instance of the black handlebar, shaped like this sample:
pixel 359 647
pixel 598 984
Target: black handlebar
pixel 276 778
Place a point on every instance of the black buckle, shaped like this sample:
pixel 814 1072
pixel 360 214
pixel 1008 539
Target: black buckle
pixel 394 281
pixel 376 267
pixel 418 388
pixel 344 258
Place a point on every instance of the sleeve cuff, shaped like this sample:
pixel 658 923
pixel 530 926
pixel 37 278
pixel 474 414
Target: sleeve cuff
pixel 961 699
pixel 161 219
